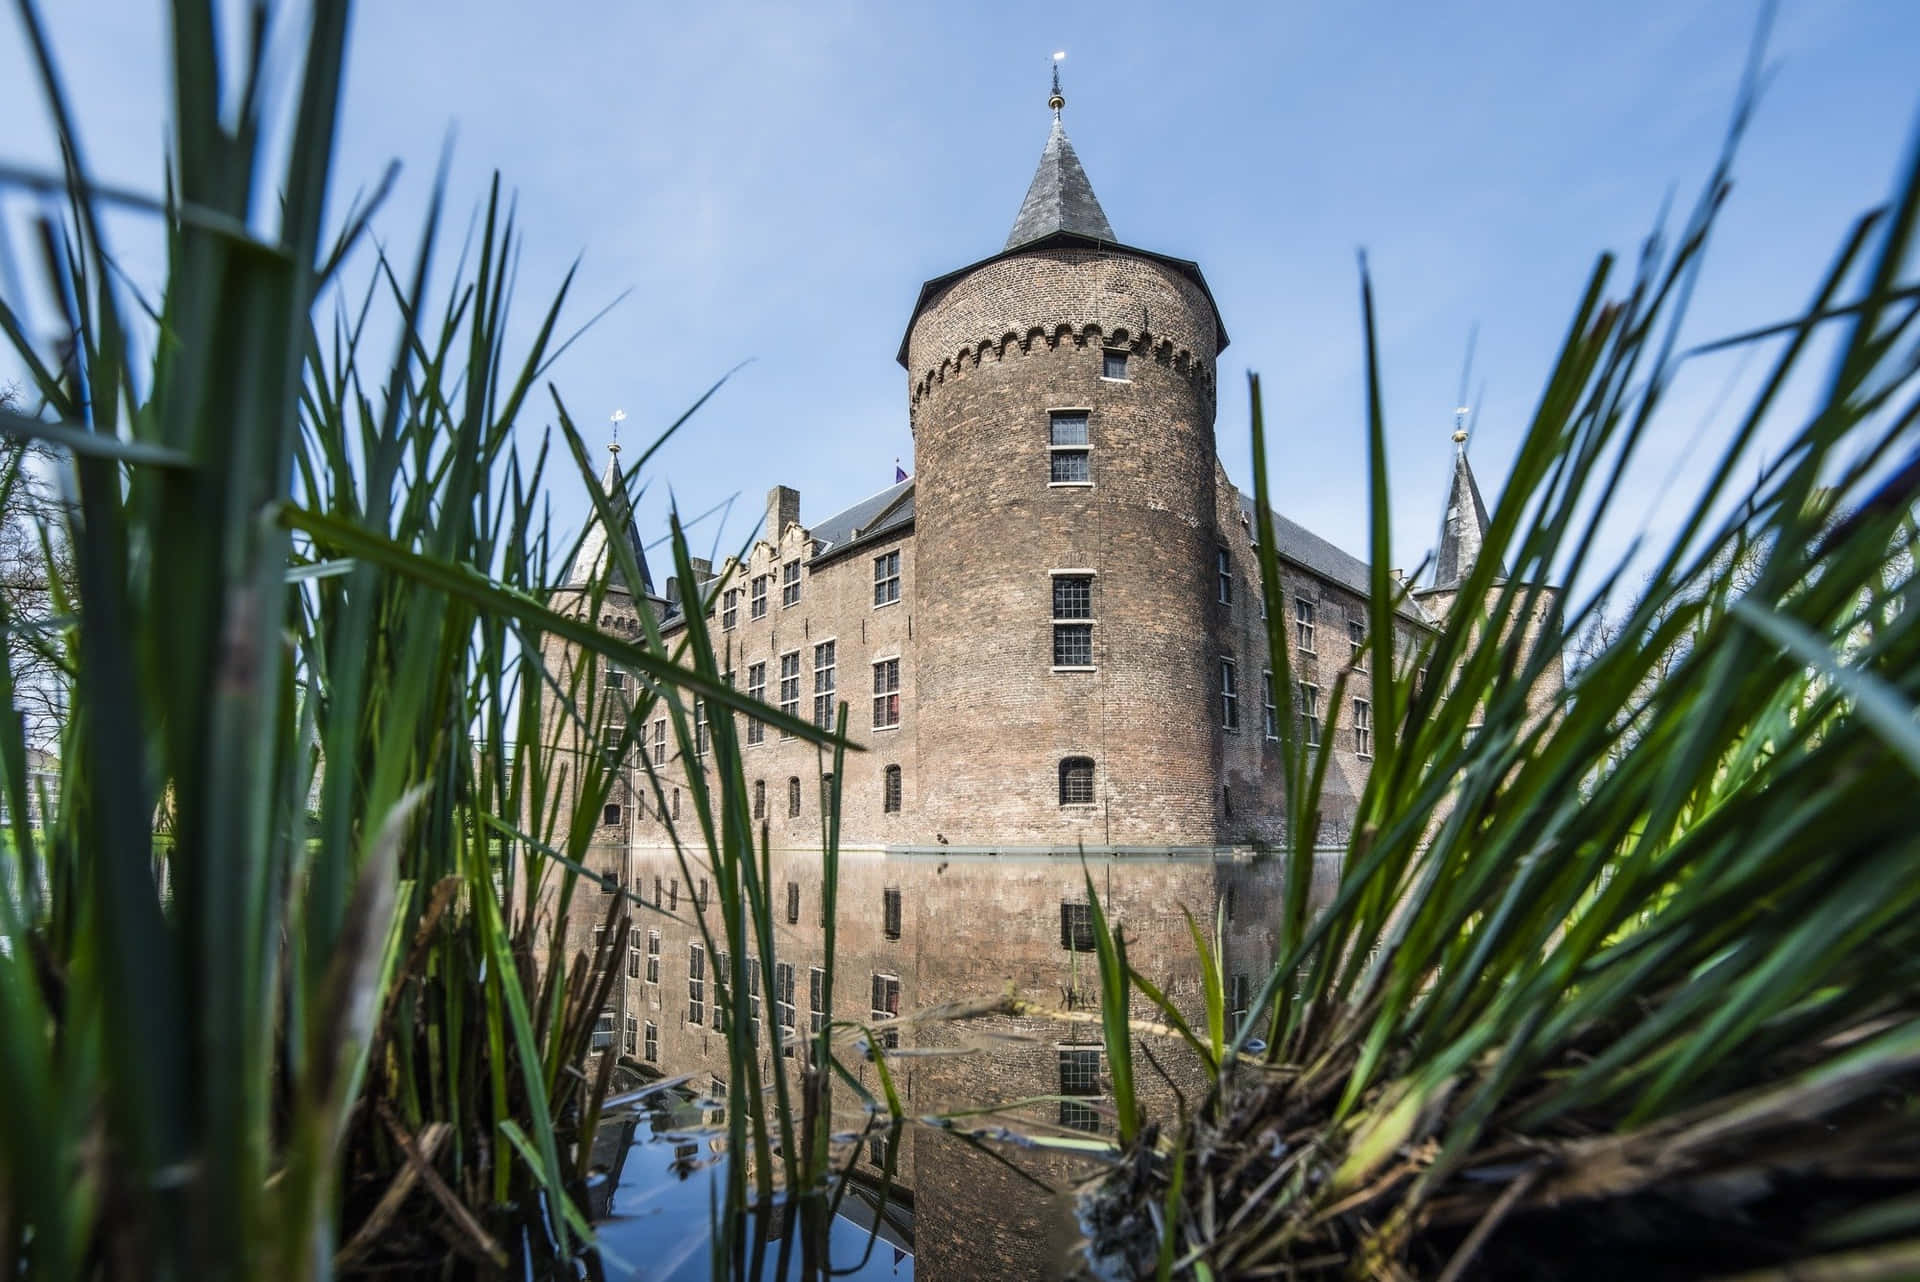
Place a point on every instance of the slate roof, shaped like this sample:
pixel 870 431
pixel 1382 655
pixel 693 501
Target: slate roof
pixel 590 561
pixel 889 510
pixel 1463 529
pixel 1060 198
pixel 1296 543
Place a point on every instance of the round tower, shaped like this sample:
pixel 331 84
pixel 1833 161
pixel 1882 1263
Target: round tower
pixel 1062 402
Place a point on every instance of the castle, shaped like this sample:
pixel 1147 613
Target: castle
pixel 1051 643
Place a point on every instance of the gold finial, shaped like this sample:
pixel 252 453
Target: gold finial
pixel 1057 101
pixel 1459 436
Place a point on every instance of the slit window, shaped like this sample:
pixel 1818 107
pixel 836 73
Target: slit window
pixel 1070 450
pixel 890 912
pixel 890 790
pixel 886 578
pixel 759 798
pixel 793 902
pixel 1072 621
pixel 793 797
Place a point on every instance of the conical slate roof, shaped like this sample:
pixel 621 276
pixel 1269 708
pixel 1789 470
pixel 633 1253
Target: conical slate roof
pixel 590 562
pixel 1060 198
pixel 1463 531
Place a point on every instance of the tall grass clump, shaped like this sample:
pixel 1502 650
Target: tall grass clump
pixel 284 983
pixel 1620 977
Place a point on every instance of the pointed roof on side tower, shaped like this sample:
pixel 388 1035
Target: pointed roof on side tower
pixel 590 562
pixel 1463 530
pixel 1060 198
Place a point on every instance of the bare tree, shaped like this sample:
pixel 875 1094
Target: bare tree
pixel 36 577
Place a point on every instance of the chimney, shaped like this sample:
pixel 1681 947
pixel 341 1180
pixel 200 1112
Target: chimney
pixel 783 509
pixel 702 570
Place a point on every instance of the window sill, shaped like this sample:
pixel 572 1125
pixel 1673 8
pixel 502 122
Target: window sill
pixel 1075 668
pixel 1069 485
pixel 1108 378
pixel 881 605
pixel 1080 806
pixel 887 729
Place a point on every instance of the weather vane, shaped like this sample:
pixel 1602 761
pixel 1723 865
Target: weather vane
pixel 616 418
pixel 1461 407
pixel 1057 101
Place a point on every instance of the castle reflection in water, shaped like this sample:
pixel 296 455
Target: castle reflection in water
pixel 916 932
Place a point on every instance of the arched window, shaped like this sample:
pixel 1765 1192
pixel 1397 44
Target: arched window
pixel 827 806
pixel 890 790
pixel 1076 781
pixel 793 797
pixel 759 798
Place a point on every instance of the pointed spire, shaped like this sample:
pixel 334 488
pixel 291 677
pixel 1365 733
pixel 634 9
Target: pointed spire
pixel 1463 530
pixel 1060 198
pixel 591 560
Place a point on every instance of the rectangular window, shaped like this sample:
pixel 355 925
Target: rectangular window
pixel 616 679
pixel 890 790
pixel 660 743
pixel 790 686
pixel 1113 364
pixel 1310 713
pixel 789 584
pixel 757 599
pixel 610 814
pixel 1242 999
pixel 673 895
pixel 1076 927
pixel 890 912
pixel 696 985
pixel 1357 644
pixel 1303 623
pixel 793 797
pixel 753 999
pixel 1072 621
pixel 729 609
pixel 1270 714
pixel 1229 696
pixel 1070 448
pixel 886 694
pixel 1079 1079
pixel 722 988
pixel 653 957
pixel 757 691
pixel 1223 571
pixel 886 578
pixel 823 662
pixel 783 1009
pixel 759 798
pixel 632 1044
pixel 793 902
pixel 1362 728
pixel 633 958
pixel 699 727
pixel 651 1047
pixel 700 897
pixel 886 1006
pixel 817 998
pixel 656 892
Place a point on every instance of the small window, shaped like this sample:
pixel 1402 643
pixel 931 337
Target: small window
pixel 700 900
pixel 886 1006
pixel 1069 446
pixel 759 798
pixel 1076 781
pixel 886 578
pixel 886 694
pixel 1357 644
pixel 757 600
pixel 890 912
pixel 1310 713
pixel 1113 363
pixel 609 882
pixel 673 895
pixel 1072 621
pixel 757 691
pixel 1223 570
pixel 789 584
pixel 793 902
pixel 651 1049
pixel 1229 696
pixel 610 814
pixel 729 609
pixel 1076 927
pixel 1303 623
pixel 827 803
pixel 656 892
pixel 1269 711
pixel 890 790
pixel 616 679
pixel 1226 800
pixel 823 669
pixel 1079 1081
pixel 793 797
pixel 676 803
pixel 1362 728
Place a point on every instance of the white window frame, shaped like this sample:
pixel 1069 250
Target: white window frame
pixel 886 586
pixel 1310 713
pixel 789 584
pixel 1084 450
pixel 790 706
pixel 886 699
pixel 1070 621
pixel 757 598
pixel 1303 624
pixel 1357 644
pixel 757 691
pixel 1229 694
pixel 823 712
pixel 729 609
pixel 1270 711
pixel 653 958
pixel 1362 728
pixel 1223 571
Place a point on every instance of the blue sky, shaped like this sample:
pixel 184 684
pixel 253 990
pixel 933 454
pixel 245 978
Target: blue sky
pixel 773 183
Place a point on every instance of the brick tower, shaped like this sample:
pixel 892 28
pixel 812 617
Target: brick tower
pixel 1062 403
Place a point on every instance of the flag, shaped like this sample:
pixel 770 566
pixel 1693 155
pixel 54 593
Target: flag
pixel 899 473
